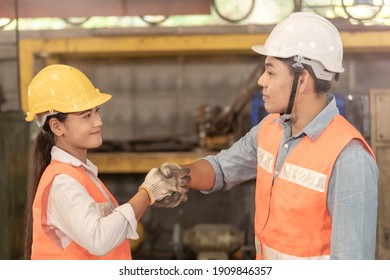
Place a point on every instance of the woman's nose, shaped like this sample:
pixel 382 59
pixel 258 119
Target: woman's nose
pixel 98 120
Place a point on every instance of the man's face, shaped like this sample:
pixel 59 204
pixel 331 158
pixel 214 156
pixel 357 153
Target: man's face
pixel 276 82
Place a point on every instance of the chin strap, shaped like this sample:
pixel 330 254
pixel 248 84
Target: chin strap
pixel 298 69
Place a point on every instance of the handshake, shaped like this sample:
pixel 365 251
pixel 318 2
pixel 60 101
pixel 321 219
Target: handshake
pixel 166 185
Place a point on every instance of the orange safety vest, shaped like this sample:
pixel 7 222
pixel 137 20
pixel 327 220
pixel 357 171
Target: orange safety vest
pixel 291 217
pixel 43 246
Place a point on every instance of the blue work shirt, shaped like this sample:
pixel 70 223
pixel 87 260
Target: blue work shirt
pixel 352 197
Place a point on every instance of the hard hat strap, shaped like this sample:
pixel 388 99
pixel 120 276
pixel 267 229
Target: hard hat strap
pixel 298 69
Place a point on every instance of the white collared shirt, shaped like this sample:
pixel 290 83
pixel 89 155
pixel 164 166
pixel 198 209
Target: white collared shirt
pixel 72 214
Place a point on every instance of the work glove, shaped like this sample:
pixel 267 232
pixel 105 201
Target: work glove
pixel 172 200
pixel 169 178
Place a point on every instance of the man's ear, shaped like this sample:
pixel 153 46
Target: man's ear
pixel 304 81
pixel 56 126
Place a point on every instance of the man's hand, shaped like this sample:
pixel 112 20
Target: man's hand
pixel 168 179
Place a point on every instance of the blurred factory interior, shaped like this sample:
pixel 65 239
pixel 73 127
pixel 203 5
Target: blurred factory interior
pixel 184 84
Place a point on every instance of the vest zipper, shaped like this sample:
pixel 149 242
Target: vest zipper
pixel 268 214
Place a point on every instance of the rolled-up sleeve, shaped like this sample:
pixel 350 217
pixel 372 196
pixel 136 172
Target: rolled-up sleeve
pixel 127 211
pixel 237 164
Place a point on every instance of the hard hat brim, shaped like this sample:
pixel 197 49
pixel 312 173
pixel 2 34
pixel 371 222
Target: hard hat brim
pixel 261 49
pixel 103 98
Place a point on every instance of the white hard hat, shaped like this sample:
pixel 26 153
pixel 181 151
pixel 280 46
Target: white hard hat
pixel 311 39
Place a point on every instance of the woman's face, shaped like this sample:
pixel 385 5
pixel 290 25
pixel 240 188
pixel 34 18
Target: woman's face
pixel 81 131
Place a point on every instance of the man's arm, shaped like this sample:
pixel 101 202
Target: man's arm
pixel 229 167
pixel 202 175
pixel 352 203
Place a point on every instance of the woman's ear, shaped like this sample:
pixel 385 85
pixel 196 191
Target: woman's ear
pixel 56 126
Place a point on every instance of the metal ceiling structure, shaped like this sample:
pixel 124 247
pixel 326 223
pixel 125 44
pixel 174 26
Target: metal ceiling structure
pixel 89 8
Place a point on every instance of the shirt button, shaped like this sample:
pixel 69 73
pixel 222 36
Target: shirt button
pixel 276 173
pixel 286 146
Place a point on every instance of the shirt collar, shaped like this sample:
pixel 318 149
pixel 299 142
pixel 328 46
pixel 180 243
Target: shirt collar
pixel 315 128
pixel 62 156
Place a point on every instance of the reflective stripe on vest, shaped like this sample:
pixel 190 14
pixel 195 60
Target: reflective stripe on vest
pixel 292 220
pixel 293 173
pixel 265 160
pixel 47 247
pixel 303 177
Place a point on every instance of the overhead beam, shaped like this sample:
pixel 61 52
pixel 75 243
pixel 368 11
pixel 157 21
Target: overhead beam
pixel 163 45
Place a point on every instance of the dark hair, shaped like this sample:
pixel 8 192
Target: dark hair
pixel 40 158
pixel 320 86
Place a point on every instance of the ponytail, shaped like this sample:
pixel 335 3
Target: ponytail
pixel 39 159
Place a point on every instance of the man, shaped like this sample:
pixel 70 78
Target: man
pixel 316 177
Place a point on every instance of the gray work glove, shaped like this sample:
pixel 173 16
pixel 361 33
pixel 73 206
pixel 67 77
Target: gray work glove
pixel 174 198
pixel 166 180
pixel 171 201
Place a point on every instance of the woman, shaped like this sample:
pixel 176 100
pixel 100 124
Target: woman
pixel 70 212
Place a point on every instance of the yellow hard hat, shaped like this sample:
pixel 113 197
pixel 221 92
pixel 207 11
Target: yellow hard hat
pixel 62 88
